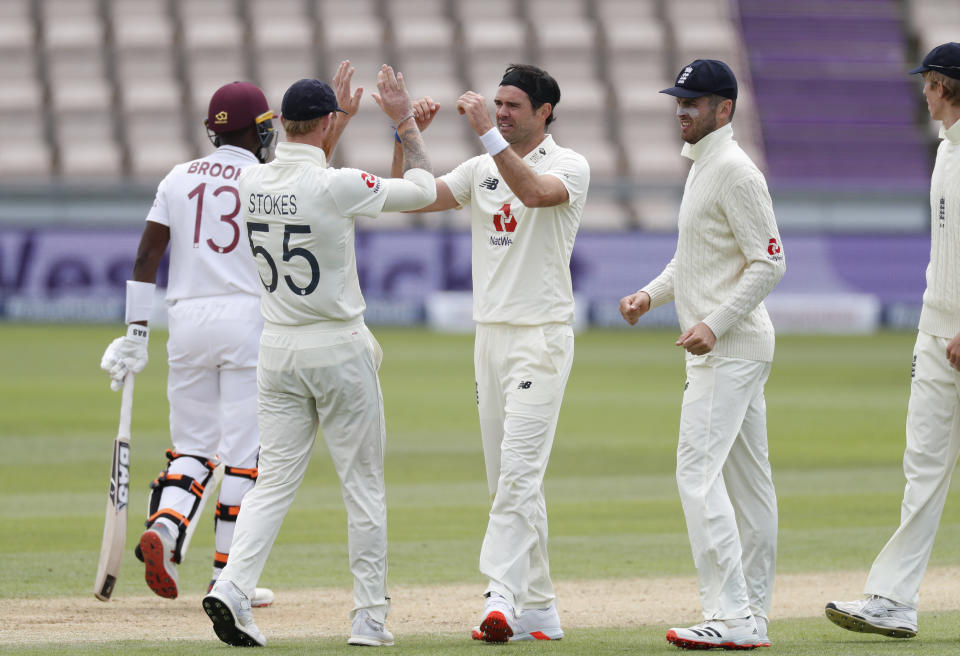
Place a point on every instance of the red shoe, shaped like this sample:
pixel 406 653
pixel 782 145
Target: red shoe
pixel 497 620
pixel 156 547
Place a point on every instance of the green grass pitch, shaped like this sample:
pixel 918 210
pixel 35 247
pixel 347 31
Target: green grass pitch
pixel 836 410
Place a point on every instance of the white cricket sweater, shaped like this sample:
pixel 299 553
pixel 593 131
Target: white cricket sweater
pixel 729 255
pixel 941 300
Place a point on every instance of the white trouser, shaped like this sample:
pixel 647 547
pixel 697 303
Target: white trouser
pixel 725 484
pixel 212 390
pixel 933 444
pixel 212 384
pixel 521 374
pixel 309 377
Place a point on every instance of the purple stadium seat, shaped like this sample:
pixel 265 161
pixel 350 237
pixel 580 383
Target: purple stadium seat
pixel 836 105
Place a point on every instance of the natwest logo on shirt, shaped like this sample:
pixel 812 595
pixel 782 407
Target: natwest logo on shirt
pixel 773 250
pixel 504 220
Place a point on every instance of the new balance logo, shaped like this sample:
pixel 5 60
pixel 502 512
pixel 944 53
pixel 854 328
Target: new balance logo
pixel 490 183
pixel 525 384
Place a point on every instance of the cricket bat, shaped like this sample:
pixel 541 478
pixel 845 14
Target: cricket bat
pixel 115 524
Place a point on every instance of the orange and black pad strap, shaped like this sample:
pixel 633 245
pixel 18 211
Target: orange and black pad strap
pixel 169 513
pixel 173 455
pixel 181 481
pixel 227 513
pixel 250 473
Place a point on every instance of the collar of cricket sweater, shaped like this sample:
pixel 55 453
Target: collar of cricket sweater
pixel 301 153
pixel 951 134
pixel 709 144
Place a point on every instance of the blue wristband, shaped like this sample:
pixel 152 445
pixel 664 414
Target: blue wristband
pixel 396 136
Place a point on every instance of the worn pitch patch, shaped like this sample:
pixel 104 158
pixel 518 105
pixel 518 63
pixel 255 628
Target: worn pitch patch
pixel 447 609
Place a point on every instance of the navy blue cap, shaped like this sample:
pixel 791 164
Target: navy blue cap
pixel 308 99
pixel 942 59
pixel 703 77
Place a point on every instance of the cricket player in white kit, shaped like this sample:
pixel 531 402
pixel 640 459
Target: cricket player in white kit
pixel 728 259
pixel 213 299
pixel 318 361
pixel 933 413
pixel 526 198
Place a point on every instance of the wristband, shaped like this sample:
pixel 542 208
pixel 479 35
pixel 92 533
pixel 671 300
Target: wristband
pixel 138 333
pixel 139 300
pixel 396 136
pixel 493 141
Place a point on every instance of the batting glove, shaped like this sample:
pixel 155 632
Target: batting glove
pixel 126 354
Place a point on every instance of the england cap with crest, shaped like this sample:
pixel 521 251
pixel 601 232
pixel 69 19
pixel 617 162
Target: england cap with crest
pixel 703 77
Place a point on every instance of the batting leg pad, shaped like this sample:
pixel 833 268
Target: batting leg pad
pixel 192 486
pixel 237 482
pixel 219 562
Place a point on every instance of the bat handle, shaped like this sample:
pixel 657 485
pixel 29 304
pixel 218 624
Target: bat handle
pixel 126 406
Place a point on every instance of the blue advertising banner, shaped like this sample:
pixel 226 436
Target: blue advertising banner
pixel 75 274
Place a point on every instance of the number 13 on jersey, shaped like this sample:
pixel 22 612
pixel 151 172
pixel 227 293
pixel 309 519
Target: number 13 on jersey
pixel 197 193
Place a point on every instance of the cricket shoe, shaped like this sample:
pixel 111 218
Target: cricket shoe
pixel 762 623
pixel 156 549
pixel 229 610
pixel 498 620
pixel 368 632
pixel 874 615
pixel 727 634
pixel 262 597
pixel 537 624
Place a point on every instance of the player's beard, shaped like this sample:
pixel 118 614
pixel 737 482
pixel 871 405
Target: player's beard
pixel 701 127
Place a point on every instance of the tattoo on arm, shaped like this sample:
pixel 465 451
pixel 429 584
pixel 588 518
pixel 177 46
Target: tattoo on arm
pixel 414 151
pixel 396 165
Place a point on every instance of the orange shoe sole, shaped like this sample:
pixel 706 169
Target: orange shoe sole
pixel 156 574
pixel 495 628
